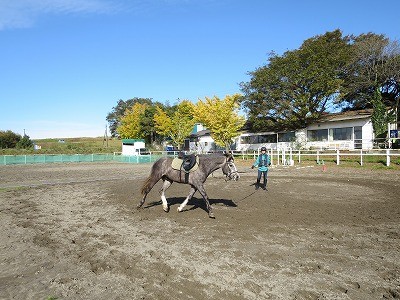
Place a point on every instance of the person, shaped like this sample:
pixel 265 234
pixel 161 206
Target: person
pixel 262 162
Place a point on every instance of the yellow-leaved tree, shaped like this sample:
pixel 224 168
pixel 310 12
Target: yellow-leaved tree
pixel 130 122
pixel 221 117
pixel 178 125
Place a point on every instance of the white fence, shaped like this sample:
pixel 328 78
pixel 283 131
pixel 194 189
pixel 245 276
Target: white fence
pixel 290 156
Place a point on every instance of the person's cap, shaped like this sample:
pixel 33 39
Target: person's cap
pixel 263 149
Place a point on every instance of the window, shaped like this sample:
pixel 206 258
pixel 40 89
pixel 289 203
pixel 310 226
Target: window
pixel 342 134
pixel 317 135
pixel 286 136
pixel 259 139
pixel 250 139
pixel 267 138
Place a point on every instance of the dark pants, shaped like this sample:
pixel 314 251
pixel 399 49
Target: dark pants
pixel 264 174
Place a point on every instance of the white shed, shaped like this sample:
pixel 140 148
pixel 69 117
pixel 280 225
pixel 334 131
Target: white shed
pixel 133 147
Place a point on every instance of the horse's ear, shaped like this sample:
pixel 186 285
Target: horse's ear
pixel 228 154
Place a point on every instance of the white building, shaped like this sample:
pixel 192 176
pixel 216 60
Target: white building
pixel 347 130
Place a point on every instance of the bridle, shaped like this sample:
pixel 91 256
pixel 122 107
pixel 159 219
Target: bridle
pixel 232 170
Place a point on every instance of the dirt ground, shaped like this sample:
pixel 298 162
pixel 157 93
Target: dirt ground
pixel 71 231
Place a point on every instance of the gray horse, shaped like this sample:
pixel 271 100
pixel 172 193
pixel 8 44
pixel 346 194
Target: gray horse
pixel 162 169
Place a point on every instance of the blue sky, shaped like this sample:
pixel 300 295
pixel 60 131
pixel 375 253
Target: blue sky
pixel 64 64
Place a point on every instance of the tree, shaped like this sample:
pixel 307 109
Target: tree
pixel 221 117
pixel 130 123
pixel 176 125
pixel 9 139
pixel 147 124
pixel 381 116
pixel 114 117
pixel 24 143
pixel 374 64
pixel 295 89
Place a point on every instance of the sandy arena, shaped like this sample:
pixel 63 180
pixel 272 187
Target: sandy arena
pixel 71 231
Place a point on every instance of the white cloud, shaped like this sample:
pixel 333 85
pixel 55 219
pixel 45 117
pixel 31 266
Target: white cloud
pixel 23 13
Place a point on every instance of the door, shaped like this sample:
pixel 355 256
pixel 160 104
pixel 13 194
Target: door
pixel 358 137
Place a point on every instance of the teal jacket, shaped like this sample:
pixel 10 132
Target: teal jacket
pixel 262 162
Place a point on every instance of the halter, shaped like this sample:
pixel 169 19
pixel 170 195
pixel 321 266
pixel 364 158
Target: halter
pixel 232 170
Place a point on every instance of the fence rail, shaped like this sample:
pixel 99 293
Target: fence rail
pixel 278 157
pixel 290 156
pixel 65 158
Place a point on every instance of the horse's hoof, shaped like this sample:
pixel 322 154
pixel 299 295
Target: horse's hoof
pixel 166 209
pixel 179 209
pixel 211 215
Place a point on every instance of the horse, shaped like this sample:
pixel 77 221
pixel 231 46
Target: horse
pixel 207 164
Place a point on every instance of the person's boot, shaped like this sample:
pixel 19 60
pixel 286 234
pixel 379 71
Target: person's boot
pixel 257 184
pixel 265 185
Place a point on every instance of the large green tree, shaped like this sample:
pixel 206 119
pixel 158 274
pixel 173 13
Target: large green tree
pixel 374 64
pixel 294 89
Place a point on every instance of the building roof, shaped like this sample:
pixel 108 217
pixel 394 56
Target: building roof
pixel 347 115
pixel 200 133
pixel 131 141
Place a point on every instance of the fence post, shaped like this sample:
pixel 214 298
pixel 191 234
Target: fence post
pixel 299 157
pixel 272 156
pixel 277 157
pixel 387 157
pixel 337 157
pixel 318 157
pixel 361 158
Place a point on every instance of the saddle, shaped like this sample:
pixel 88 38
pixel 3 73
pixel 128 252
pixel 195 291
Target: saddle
pixel 185 162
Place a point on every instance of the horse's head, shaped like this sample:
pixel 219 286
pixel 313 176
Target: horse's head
pixel 229 168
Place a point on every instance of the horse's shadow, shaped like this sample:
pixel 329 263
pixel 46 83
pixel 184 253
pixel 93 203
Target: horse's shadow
pixel 195 203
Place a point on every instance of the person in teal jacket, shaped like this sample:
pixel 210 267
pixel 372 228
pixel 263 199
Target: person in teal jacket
pixel 262 162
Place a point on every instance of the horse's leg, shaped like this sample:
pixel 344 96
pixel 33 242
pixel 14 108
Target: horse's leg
pixel 142 201
pixel 166 184
pixel 191 193
pixel 205 197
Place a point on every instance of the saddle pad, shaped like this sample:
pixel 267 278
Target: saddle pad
pixel 177 163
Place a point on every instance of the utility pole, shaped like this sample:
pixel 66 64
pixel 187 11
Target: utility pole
pixel 105 139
